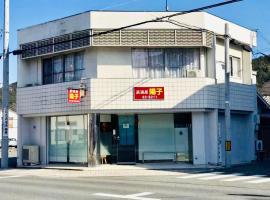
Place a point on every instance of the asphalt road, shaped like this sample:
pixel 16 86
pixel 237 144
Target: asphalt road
pixel 76 185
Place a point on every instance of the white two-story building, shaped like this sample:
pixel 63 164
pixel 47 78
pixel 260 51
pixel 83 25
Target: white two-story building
pixel 153 92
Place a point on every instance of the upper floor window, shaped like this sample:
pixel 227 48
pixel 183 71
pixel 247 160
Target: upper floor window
pixel 236 69
pixel 63 68
pixel 159 63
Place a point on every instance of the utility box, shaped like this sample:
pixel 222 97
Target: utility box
pixel 30 154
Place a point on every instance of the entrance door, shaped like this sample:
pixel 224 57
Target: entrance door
pixel 182 144
pixel 126 145
pixel 68 139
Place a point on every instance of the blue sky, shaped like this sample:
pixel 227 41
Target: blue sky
pixel 253 14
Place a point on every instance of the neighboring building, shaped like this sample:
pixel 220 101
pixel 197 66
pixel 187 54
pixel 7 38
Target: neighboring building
pixel 264 125
pixel 12 125
pixel 153 92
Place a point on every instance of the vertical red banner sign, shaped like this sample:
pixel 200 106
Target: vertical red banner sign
pixel 149 93
pixel 74 96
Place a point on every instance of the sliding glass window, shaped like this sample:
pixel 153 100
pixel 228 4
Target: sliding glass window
pixel 63 68
pixel 162 63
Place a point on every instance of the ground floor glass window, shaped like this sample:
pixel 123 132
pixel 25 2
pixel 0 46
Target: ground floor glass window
pixel 68 139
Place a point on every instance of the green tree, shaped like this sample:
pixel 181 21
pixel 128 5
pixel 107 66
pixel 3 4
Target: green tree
pixel 262 66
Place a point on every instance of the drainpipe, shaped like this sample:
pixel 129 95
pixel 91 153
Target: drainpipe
pixel 214 57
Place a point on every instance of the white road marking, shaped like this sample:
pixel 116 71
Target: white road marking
pixel 138 196
pixel 219 176
pixel 261 180
pixel 198 175
pixel 242 178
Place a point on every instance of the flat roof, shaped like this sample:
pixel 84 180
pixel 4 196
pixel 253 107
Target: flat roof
pixel 122 11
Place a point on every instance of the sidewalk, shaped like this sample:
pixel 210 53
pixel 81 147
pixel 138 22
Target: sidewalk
pixel 137 167
pixel 69 171
pixel 149 169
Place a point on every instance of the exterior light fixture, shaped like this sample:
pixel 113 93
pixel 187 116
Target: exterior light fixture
pixel 82 89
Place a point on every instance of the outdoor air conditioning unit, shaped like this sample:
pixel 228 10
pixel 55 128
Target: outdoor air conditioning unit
pixel 30 154
pixel 193 73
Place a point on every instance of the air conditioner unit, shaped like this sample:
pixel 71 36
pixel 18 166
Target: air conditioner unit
pixel 30 154
pixel 193 73
pixel 259 145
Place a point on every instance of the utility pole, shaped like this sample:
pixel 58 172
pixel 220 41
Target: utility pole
pixel 167 7
pixel 5 89
pixel 227 98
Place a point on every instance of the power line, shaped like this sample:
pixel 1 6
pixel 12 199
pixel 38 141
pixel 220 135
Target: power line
pixel 117 5
pixel 261 53
pixel 187 26
pixel 158 19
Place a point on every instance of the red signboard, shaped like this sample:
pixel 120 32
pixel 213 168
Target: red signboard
pixel 149 93
pixel 74 96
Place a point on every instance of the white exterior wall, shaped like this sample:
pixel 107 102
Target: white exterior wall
pixel 180 93
pixel 199 137
pixel 54 28
pixel 109 20
pixel 211 139
pixel 114 62
pixel 47 100
pixel 204 136
pixel 32 131
pixel 242 136
pixel 105 95
pixel 99 20
pixel 220 61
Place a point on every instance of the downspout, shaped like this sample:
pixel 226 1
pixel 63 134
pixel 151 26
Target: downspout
pixel 214 57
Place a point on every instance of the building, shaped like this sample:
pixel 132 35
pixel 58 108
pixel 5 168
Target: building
pixel 153 92
pixel 263 130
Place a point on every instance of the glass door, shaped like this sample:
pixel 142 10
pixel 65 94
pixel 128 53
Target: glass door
pixel 126 144
pixel 68 139
pixel 58 140
pixel 183 144
pixel 78 139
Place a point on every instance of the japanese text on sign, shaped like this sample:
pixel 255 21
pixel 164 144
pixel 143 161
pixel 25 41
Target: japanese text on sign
pixel 149 93
pixel 74 96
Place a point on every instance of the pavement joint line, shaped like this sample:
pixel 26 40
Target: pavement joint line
pixel 219 176
pixel 242 178
pixel 198 175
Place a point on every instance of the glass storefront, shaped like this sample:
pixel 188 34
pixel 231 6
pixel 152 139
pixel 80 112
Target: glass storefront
pixel 68 139
pixel 122 138
pixel 165 137
pixel 146 137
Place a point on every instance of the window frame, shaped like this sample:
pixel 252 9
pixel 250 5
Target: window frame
pixel 239 70
pixel 51 76
pixel 165 66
